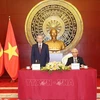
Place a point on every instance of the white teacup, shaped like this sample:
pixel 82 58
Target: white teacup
pixel 27 67
pixel 85 67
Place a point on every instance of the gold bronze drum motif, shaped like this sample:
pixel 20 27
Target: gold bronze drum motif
pixel 55 14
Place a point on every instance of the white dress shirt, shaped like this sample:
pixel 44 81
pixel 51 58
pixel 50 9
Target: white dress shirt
pixel 74 59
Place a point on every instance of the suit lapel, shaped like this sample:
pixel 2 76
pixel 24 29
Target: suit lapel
pixel 42 48
pixel 37 48
pixel 72 60
pixel 78 59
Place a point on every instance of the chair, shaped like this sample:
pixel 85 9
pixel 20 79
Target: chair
pixel 65 58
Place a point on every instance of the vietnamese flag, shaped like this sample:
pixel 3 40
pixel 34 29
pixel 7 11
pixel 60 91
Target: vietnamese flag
pixel 11 54
pixel 1 61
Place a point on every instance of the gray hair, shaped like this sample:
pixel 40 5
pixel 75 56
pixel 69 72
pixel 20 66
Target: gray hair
pixel 74 49
pixel 40 35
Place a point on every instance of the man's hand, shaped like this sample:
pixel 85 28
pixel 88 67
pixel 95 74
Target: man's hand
pixel 82 66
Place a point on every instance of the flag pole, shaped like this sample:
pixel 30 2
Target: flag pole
pixel 9 17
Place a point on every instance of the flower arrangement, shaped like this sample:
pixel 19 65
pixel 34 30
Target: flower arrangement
pixel 52 66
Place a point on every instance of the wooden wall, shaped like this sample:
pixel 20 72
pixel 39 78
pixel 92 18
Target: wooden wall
pixel 89 46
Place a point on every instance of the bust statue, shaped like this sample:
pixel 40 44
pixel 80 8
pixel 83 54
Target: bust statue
pixel 54 44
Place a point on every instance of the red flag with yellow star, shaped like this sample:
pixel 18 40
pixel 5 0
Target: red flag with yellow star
pixel 11 54
pixel 1 61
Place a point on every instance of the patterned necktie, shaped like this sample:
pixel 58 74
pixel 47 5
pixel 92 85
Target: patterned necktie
pixel 75 60
pixel 40 49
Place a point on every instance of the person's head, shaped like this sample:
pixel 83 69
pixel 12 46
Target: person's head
pixel 53 33
pixel 74 52
pixel 39 38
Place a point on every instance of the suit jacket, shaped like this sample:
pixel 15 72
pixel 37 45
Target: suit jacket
pixel 79 60
pixel 42 58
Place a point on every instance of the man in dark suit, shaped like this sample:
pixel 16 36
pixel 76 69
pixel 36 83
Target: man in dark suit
pixel 75 58
pixel 40 52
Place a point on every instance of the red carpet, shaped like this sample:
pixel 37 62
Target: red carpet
pixel 9 89
pixel 98 85
pixel 6 82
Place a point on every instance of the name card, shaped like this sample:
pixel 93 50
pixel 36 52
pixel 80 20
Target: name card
pixel 75 66
pixel 35 66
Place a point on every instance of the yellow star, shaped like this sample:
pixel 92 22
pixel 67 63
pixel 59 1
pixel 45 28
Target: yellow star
pixel 1 52
pixel 11 51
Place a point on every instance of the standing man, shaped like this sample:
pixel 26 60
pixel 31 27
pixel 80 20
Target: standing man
pixel 40 52
pixel 75 58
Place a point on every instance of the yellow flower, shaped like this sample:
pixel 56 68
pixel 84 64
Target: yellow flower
pixel 55 66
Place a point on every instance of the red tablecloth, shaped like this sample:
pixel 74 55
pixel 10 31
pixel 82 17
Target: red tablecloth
pixel 65 85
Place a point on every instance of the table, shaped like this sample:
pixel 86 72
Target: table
pixel 58 85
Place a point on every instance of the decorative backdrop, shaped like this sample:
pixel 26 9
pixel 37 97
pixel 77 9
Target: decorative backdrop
pixel 58 14
pixel 89 45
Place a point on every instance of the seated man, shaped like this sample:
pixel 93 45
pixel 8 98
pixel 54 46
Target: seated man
pixel 75 58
